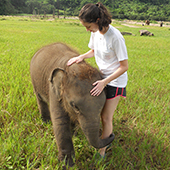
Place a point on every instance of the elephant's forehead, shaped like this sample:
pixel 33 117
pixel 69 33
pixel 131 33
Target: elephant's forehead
pixel 82 96
pixel 79 92
pixel 79 86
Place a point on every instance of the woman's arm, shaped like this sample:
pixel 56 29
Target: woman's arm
pixel 122 68
pixel 80 58
pixel 100 84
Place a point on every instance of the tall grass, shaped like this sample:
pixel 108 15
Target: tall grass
pixel 141 122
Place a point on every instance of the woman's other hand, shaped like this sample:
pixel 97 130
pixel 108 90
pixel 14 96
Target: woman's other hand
pixel 99 86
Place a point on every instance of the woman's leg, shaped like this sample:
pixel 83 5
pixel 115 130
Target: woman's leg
pixel 107 116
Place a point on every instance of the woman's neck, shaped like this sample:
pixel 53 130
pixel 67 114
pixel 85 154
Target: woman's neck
pixel 104 30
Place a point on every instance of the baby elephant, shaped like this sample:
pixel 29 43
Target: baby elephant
pixel 63 96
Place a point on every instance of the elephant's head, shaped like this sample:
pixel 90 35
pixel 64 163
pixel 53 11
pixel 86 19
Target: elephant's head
pixel 73 85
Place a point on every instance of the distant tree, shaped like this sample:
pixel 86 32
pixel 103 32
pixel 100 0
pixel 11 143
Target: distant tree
pixel 84 2
pixel 41 5
pixel 7 7
pixel 122 9
pixel 3 7
pixel 19 5
pixel 58 7
pixel 54 6
pixel 32 5
pixel 65 5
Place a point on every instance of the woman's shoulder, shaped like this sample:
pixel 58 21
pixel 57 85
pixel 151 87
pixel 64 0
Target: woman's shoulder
pixel 114 33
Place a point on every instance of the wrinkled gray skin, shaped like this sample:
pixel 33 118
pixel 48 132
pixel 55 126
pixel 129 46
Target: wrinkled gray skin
pixel 63 95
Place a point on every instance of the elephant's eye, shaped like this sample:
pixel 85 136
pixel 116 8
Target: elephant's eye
pixel 74 106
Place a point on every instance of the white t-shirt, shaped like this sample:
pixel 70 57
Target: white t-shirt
pixel 109 49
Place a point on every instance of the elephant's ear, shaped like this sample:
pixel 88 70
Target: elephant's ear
pixel 56 79
pixel 59 72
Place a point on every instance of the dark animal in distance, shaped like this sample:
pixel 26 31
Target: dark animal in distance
pixel 145 32
pixel 147 22
pixel 161 24
pixel 127 33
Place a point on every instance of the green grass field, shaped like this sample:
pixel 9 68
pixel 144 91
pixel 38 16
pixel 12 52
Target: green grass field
pixel 141 121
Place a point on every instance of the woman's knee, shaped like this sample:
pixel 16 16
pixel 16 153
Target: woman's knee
pixel 106 118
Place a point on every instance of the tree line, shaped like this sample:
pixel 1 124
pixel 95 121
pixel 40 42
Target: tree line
pixel 120 9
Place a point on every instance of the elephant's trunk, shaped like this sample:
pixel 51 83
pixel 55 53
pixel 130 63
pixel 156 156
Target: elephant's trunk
pixel 92 134
pixel 97 142
pixel 103 142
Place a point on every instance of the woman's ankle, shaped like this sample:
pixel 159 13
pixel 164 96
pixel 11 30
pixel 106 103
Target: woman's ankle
pixel 102 151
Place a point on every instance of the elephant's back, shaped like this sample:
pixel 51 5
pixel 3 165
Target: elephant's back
pixel 54 55
pixel 45 61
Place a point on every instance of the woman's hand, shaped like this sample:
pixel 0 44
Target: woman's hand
pixel 75 60
pixel 80 58
pixel 99 86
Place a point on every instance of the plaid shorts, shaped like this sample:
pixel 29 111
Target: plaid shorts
pixel 112 92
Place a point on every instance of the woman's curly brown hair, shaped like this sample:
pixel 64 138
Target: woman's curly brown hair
pixel 96 13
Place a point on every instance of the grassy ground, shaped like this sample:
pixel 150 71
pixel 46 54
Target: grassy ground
pixel 141 122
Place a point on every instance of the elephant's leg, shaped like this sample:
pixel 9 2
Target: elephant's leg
pixel 61 128
pixel 43 108
pixel 73 128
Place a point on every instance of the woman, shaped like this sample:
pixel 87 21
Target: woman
pixel 108 46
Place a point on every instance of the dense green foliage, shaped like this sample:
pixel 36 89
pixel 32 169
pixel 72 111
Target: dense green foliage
pixel 122 9
pixel 140 123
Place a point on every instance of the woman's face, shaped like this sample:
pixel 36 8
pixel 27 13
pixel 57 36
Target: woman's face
pixel 92 27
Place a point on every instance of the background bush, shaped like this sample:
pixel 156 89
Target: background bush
pixel 121 9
